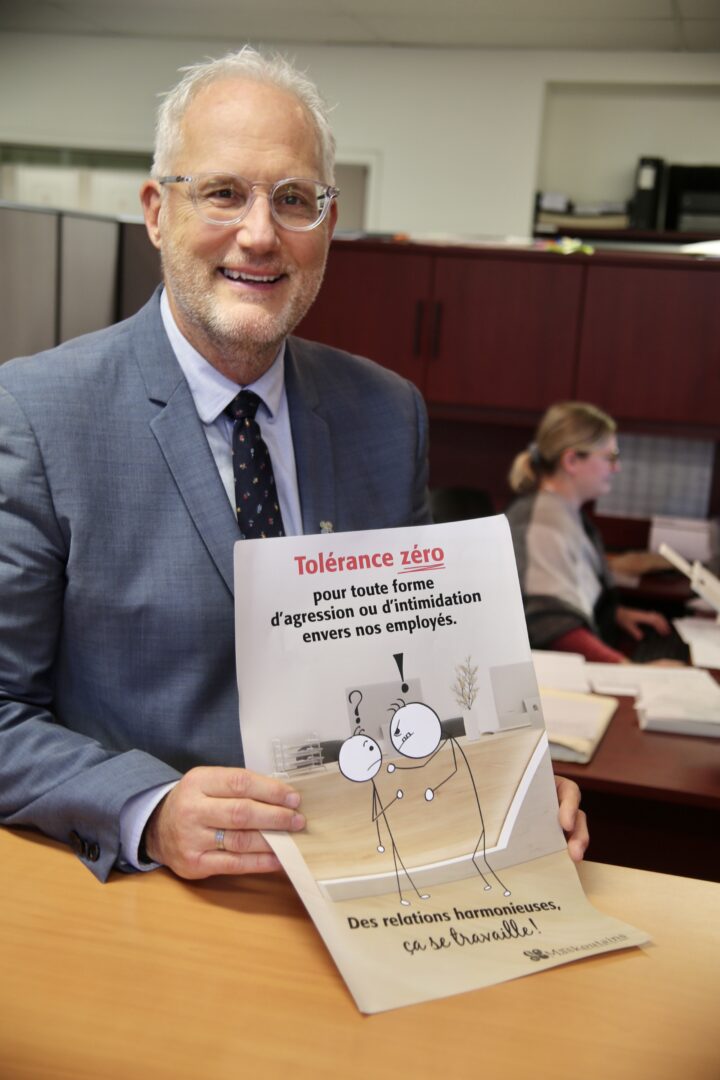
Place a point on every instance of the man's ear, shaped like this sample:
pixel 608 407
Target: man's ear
pixel 151 198
pixel 332 217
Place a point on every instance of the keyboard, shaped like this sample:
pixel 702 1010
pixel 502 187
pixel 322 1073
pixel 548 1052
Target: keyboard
pixel 655 646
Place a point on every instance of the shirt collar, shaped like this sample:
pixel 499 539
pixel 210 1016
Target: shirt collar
pixel 212 392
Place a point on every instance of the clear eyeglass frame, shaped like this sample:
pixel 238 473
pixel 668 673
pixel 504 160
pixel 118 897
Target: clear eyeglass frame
pixel 325 195
pixel 611 456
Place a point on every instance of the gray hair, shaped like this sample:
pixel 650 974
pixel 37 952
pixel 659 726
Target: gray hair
pixel 247 63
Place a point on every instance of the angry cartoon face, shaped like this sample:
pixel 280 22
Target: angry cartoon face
pixel 415 730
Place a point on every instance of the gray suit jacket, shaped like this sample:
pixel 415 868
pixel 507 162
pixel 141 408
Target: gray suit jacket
pixel 116 560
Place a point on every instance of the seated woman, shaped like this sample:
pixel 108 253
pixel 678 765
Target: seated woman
pixel 570 601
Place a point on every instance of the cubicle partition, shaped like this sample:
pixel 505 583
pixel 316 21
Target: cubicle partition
pixel 29 247
pixel 138 272
pixel 64 274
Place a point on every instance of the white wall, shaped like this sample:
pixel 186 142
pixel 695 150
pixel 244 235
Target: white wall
pixel 593 134
pixel 453 135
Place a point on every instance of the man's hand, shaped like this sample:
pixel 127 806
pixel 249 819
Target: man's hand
pixel 631 620
pixel 181 832
pixel 572 818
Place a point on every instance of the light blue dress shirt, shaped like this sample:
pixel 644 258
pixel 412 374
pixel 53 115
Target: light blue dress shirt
pixel 212 392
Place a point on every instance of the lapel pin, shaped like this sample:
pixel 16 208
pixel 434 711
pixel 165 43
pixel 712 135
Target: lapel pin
pixel 326 526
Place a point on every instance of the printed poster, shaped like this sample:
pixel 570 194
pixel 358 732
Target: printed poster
pixel 387 676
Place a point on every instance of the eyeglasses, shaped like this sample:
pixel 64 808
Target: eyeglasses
pixel 225 199
pixel 611 456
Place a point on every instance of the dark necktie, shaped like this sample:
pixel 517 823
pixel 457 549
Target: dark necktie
pixel 256 501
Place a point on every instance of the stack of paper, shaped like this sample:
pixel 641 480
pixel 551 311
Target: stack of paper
pixel 660 711
pixel 560 670
pixel 681 700
pixel 575 723
pixel 622 679
pixel 703 637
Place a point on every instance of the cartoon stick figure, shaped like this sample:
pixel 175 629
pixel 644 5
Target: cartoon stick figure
pixel 360 759
pixel 415 732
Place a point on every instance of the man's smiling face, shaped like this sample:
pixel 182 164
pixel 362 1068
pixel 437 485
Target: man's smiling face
pixel 237 291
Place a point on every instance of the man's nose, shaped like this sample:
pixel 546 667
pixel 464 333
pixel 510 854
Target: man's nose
pixel 258 229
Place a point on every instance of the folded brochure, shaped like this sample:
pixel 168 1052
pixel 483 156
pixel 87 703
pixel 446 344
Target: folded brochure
pixel 387 676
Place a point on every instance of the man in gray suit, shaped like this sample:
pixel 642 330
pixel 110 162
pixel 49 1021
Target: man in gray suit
pixel 118 707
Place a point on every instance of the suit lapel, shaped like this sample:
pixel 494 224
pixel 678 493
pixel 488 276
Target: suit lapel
pixel 314 459
pixel 180 436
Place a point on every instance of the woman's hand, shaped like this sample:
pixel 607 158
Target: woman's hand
pixel 631 620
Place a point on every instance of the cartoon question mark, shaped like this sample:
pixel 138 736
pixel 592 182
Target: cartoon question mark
pixel 350 699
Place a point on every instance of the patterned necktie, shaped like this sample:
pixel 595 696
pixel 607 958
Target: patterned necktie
pixel 256 500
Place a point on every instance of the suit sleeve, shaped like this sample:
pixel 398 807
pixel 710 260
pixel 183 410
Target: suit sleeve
pixel 421 503
pixel 52 778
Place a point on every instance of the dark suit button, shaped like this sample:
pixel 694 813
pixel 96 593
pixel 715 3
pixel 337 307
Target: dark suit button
pixel 93 852
pixel 77 843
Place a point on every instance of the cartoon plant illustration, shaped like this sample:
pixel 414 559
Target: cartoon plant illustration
pixel 465 687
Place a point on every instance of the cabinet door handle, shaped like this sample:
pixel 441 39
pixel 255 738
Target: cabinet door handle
pixel 436 330
pixel 419 319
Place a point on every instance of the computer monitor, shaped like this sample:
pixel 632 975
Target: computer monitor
pixel 702 580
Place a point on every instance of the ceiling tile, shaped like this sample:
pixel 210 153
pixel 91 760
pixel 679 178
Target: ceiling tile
pixel 532 24
pixel 254 20
pixel 698 9
pixel 236 27
pixel 701 35
pixel 638 34
pixel 576 10
pixel 47 18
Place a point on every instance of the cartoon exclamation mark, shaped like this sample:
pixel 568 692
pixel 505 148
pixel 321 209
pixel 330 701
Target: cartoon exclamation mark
pixel 398 658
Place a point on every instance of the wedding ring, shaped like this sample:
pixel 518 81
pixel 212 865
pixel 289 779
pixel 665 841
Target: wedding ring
pixel 220 839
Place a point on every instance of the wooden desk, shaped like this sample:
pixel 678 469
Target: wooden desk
pixel 150 977
pixel 668 592
pixel 653 800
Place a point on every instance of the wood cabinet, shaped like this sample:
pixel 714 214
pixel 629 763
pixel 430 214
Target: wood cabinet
pixel 472 329
pixel 650 345
pixel 372 302
pixel 504 332
pixel 496 333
